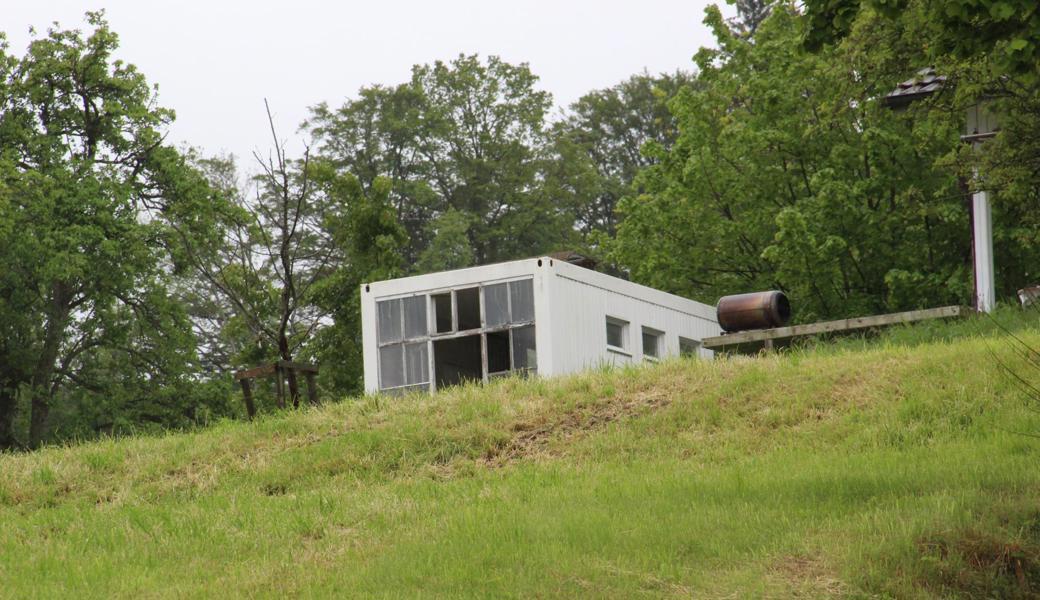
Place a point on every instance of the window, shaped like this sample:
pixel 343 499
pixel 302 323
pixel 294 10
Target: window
pixel 521 301
pixel 401 319
pixel 442 313
pixel 617 332
pixel 525 355
pixel 496 304
pixel 689 347
pixel 653 340
pixel 403 365
pixel 448 337
pixel 467 303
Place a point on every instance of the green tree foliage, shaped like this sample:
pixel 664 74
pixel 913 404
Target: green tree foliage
pixel 604 141
pixel 461 145
pixel 368 240
pixel 86 316
pixel 788 172
pixel 1007 32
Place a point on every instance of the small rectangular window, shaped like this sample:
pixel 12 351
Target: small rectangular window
pixel 525 355
pixel 389 318
pixel 496 305
pixel 617 331
pixel 442 312
pixel 652 342
pixel 689 347
pixel 467 303
pixel 497 351
pixel 391 366
pixel 414 317
pixel 521 298
pixel 417 365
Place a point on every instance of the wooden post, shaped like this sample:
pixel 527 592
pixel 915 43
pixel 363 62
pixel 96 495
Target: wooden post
pixel 312 388
pixel 279 386
pixel 247 393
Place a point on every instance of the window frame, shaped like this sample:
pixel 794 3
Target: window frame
pixel 658 336
pixel 625 326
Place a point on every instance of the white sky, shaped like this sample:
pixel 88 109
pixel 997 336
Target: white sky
pixel 216 61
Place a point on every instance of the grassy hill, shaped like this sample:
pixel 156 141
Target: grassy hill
pixel 885 470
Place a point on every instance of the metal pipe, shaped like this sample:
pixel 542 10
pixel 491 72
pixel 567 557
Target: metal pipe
pixel 755 310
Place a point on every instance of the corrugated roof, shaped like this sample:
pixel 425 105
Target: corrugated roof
pixel 924 84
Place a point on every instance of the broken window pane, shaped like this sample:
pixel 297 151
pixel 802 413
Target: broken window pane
pixel 391 366
pixel 417 367
pixel 467 303
pixel 498 351
pixel 389 320
pixel 521 296
pixel 442 310
pixel 496 305
pixel 414 317
pixel 524 355
pixel 456 360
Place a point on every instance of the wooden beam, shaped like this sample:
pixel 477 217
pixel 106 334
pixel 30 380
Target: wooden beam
pixel 303 367
pixel 779 333
pixel 260 371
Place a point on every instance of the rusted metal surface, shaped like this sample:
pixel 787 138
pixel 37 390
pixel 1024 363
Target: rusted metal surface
pixel 755 310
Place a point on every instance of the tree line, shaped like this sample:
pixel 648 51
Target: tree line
pixel 139 275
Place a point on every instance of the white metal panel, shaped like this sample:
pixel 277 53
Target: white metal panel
pixel 582 300
pixel 571 306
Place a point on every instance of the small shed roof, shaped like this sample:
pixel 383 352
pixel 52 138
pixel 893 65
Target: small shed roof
pixel 924 84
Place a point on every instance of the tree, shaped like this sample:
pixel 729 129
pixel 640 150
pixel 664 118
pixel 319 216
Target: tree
pixel 83 299
pixel 461 138
pixel 275 251
pixel 604 141
pixel 1006 32
pixel 789 173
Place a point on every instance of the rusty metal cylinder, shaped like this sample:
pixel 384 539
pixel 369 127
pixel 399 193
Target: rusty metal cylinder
pixel 755 310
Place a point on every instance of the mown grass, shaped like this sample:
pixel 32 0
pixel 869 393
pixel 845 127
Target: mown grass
pixel 890 470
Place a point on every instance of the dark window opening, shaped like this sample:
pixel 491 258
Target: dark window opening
pixel 651 343
pixel 467 303
pixel 616 332
pixel 442 312
pixel 457 360
pixel 688 347
pixel 498 351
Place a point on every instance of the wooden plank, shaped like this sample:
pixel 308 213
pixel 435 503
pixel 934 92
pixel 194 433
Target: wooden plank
pixel 763 335
pixel 303 367
pixel 260 371
pixel 312 388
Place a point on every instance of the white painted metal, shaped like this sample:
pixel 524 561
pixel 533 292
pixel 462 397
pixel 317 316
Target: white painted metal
pixel 571 306
pixel 983 228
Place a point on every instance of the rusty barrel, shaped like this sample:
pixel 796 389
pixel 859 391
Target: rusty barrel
pixel 755 310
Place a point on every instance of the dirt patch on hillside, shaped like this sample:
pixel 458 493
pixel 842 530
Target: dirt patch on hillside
pixel 532 437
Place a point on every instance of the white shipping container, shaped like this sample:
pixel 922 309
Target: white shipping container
pixel 539 316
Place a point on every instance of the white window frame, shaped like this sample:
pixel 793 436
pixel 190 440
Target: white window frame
pixel 625 326
pixel 658 336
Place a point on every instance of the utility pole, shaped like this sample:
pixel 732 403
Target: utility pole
pixel 982 125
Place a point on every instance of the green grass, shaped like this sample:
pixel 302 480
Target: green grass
pixel 882 470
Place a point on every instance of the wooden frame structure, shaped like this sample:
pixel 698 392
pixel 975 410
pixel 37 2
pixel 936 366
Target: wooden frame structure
pixel 768 336
pixel 279 369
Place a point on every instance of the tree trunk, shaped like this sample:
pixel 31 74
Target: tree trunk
pixel 57 317
pixel 8 407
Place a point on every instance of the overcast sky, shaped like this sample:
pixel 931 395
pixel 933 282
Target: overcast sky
pixel 216 61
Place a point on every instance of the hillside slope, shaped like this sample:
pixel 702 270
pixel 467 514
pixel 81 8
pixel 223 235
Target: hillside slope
pixel 890 471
